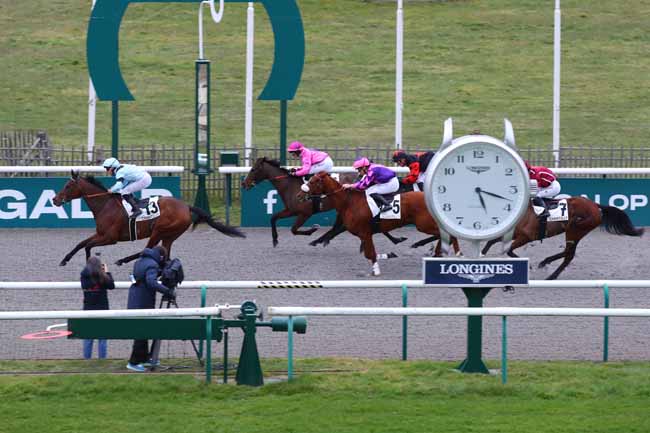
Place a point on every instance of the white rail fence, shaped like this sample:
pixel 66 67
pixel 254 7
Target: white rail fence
pixel 504 312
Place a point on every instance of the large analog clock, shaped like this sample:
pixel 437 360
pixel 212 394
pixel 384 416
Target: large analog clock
pixel 477 187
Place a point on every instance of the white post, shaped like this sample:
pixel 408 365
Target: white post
pixel 201 30
pixel 248 122
pixel 92 102
pixel 399 57
pixel 556 83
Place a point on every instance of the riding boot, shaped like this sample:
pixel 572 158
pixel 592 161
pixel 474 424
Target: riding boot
pixel 135 210
pixel 384 204
pixel 538 201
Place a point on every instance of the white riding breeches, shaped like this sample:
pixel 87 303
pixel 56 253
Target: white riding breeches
pixel 325 165
pixel 550 191
pixel 384 188
pixel 138 185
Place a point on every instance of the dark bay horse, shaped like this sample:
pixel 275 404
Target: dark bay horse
pixel 584 216
pixel 353 209
pixel 112 223
pixel 288 187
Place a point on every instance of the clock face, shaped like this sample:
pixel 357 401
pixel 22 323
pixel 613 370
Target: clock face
pixel 478 190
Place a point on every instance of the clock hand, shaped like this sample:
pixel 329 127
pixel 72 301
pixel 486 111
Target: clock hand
pixel 495 195
pixel 478 191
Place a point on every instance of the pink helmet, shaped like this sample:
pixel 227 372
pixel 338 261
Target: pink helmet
pixel 296 146
pixel 361 162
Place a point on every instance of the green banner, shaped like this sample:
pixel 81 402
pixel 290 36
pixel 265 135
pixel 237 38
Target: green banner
pixel 630 195
pixel 26 202
pixel 262 201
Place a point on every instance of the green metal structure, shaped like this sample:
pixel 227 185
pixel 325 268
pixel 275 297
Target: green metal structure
pixel 210 328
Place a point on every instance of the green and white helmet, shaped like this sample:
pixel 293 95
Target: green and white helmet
pixel 111 163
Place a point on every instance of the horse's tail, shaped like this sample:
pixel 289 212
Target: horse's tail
pixel 201 216
pixel 617 222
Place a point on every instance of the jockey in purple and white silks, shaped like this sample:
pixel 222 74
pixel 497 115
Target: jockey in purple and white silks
pixel 130 179
pixel 313 161
pixel 376 180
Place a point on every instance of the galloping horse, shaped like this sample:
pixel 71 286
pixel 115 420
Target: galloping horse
pixel 584 216
pixel 288 187
pixel 352 206
pixel 112 222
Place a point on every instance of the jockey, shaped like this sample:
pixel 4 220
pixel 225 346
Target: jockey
pixel 548 186
pixel 376 180
pixel 313 161
pixel 130 179
pixel 417 164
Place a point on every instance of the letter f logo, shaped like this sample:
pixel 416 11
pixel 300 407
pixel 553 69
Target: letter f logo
pixel 270 200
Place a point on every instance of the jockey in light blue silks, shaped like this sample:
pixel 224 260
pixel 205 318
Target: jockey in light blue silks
pixel 130 179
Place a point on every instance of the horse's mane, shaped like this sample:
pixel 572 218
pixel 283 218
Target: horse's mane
pixel 93 181
pixel 275 163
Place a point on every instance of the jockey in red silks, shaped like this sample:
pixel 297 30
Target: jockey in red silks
pixel 376 180
pixel 313 161
pixel 417 164
pixel 548 186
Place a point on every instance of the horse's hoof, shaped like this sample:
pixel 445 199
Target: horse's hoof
pixel 542 265
pixel 63 263
pixel 119 263
pixel 275 243
pixel 314 243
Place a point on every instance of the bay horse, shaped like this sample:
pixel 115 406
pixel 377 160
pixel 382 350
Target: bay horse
pixel 112 221
pixel 353 208
pixel 584 216
pixel 288 187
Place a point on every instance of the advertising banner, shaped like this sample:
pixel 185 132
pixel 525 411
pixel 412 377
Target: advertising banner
pixel 629 195
pixel 26 202
pixel 454 272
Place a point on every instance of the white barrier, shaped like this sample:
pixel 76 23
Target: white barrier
pixel 112 314
pixel 403 170
pixel 329 284
pixel 84 169
pixel 452 311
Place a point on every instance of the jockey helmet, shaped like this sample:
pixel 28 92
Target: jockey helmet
pixel 361 162
pixel 111 163
pixel 398 154
pixel 296 146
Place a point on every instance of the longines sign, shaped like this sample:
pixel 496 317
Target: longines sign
pixel 493 272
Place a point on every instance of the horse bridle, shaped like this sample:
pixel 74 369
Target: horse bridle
pixel 63 201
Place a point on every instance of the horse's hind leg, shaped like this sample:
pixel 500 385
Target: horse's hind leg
pixel 569 254
pixel 330 234
pixel 424 241
pixel 488 245
pixel 393 239
pixel 153 241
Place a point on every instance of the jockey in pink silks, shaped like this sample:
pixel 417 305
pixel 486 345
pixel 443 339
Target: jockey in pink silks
pixel 313 161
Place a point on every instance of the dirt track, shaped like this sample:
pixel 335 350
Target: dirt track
pixel 33 255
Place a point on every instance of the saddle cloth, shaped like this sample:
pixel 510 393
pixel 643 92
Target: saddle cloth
pixel 394 213
pixel 558 210
pixel 149 206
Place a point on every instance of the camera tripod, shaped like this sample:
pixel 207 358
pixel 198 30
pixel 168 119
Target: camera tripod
pixel 154 354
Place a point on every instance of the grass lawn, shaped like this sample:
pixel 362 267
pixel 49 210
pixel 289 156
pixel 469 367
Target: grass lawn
pixel 475 60
pixel 333 395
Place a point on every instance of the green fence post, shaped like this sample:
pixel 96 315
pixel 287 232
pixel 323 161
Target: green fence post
pixel 504 350
pixel 290 349
pixel 606 326
pixel 405 295
pixel 208 345
pixel 225 355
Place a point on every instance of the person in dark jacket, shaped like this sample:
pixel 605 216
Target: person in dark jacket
pixel 95 281
pixel 142 295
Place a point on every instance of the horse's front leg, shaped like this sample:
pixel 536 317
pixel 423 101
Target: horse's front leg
pixel 424 241
pixel 488 245
pixel 79 246
pixel 393 239
pixel 370 253
pixel 98 243
pixel 284 213
pixel 300 220
pixel 569 254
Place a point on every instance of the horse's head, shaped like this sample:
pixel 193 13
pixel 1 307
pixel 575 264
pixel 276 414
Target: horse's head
pixel 260 172
pixel 320 184
pixel 71 190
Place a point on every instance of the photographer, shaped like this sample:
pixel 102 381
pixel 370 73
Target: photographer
pixel 142 295
pixel 95 281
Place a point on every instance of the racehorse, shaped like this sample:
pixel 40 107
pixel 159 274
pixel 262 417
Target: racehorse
pixel 584 216
pixel 288 187
pixel 112 222
pixel 352 206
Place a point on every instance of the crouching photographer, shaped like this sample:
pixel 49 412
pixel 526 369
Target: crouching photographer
pixel 142 295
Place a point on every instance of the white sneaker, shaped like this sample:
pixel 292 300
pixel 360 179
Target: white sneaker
pixel 136 367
